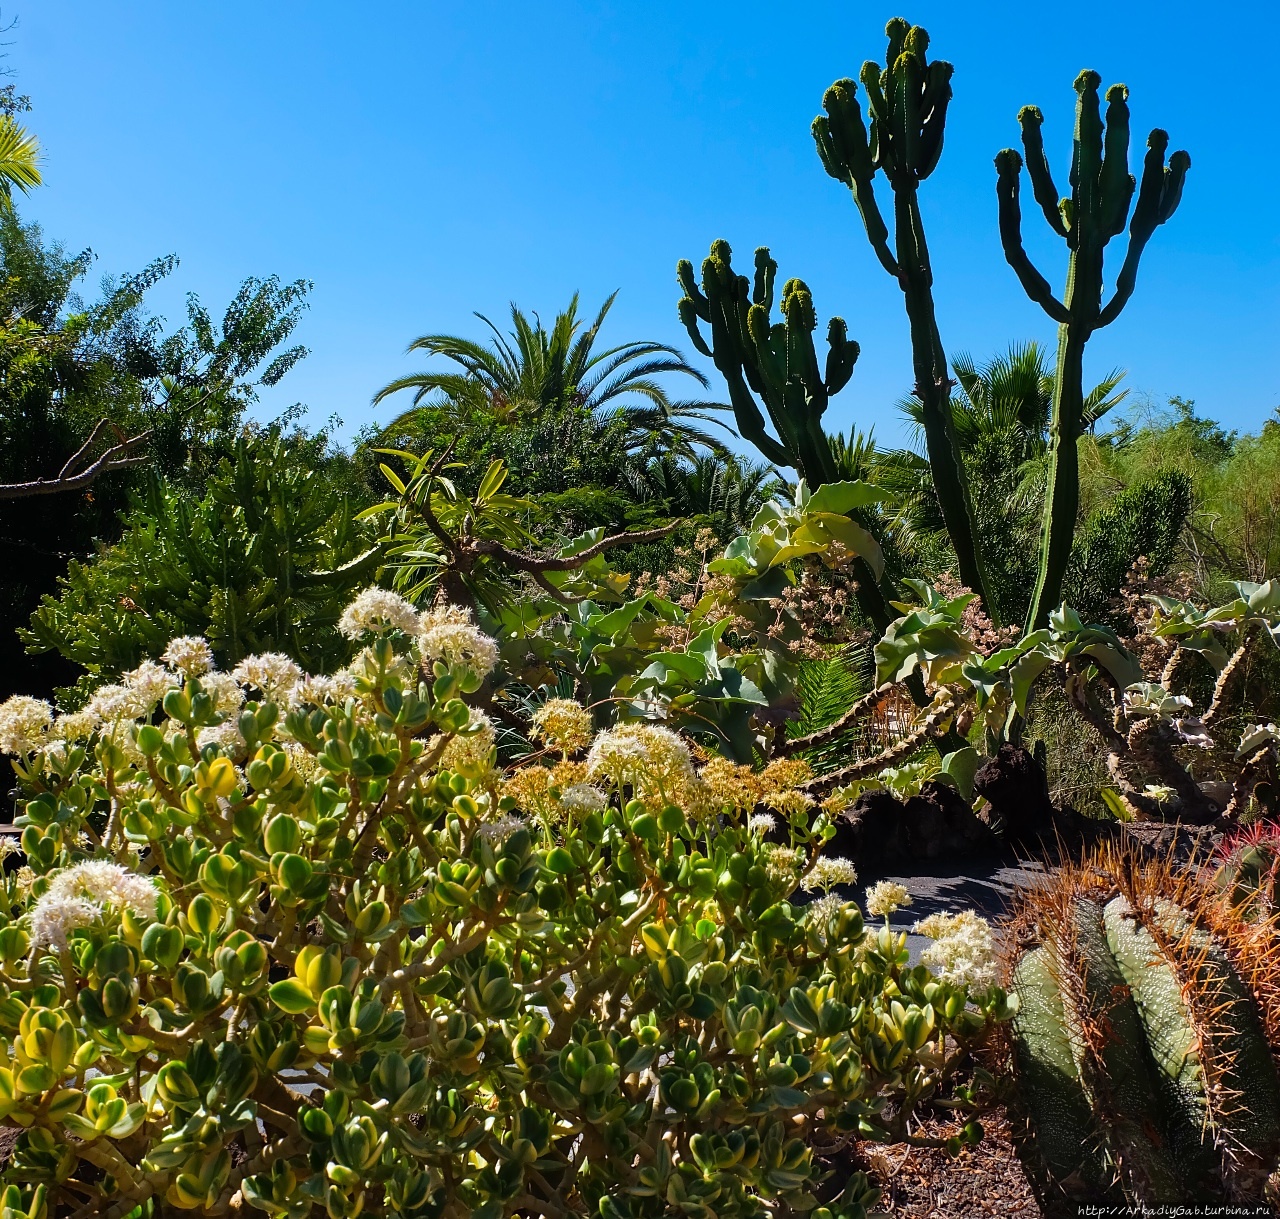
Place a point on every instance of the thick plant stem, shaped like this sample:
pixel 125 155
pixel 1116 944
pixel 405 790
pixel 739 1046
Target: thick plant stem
pixel 1062 492
pixel 933 388
pixel 1102 191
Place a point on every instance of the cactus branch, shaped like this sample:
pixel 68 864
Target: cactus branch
pixel 907 103
pixel 1008 168
pixel 1102 192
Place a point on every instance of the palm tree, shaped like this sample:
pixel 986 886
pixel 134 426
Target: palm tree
pixel 726 492
pixel 532 371
pixel 19 160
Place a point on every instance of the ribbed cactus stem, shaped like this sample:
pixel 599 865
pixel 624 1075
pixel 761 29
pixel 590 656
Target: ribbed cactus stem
pixel 908 103
pixel 775 365
pixel 1101 193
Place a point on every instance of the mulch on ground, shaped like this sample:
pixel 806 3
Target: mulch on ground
pixel 926 1183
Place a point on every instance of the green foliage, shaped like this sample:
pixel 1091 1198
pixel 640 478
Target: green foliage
pixel 1143 521
pixel 66 365
pixel 264 560
pixel 329 918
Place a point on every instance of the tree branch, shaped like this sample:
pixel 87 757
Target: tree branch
pixel 72 477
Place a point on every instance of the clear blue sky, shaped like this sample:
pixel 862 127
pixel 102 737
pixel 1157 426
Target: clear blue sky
pixel 419 161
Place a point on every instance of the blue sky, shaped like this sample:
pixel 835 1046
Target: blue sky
pixel 419 161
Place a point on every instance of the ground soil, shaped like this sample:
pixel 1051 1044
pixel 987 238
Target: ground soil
pixel 926 1183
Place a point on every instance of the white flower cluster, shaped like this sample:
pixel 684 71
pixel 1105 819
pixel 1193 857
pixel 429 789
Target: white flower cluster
pixel 500 830
pixel 827 872
pixel 963 951
pixel 582 799
pixel 449 636
pixel 377 610
pixel 191 655
pixel 273 673
pixel 76 897
pixel 761 823
pixel 24 724
pixel 563 724
pixel 884 897
pixel 652 760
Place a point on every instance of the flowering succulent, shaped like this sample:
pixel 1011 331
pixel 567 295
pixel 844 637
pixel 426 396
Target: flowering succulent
pixel 326 959
pixel 886 896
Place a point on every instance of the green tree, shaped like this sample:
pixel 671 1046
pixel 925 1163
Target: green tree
pixel 66 366
pixel 263 560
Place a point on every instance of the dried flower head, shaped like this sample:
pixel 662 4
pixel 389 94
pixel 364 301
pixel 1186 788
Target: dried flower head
pixel 729 786
pixel 377 610
pixel 563 724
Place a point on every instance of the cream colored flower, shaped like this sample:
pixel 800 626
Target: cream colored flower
pixel 378 610
pixel 652 760
pixel 470 751
pixel 111 704
pixel 24 724
pixel 77 896
pixel 829 871
pixel 189 654
pixel 271 672
pixel 884 897
pixel 582 799
pixel 150 682
pixel 963 951
pixel 449 636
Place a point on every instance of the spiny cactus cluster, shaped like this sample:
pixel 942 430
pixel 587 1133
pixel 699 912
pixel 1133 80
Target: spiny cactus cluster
pixel 1142 1048
pixel 1102 190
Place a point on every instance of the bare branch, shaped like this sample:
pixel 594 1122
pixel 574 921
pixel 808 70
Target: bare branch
pixel 72 477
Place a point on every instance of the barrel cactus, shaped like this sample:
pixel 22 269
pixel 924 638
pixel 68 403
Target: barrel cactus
pixel 1143 1045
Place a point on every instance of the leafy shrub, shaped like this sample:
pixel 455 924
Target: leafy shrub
pixel 298 940
pixel 264 560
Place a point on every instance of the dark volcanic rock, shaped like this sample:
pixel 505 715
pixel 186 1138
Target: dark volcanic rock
pixel 1013 783
pixel 879 829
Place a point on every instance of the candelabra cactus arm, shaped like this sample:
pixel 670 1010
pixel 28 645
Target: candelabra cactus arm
pixel 1102 192
pixel 1157 200
pixel 773 372
pixel 1008 168
pixel 907 103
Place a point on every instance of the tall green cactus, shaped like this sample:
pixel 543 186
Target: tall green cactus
pixel 1101 192
pixel 908 106
pixel 777 363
